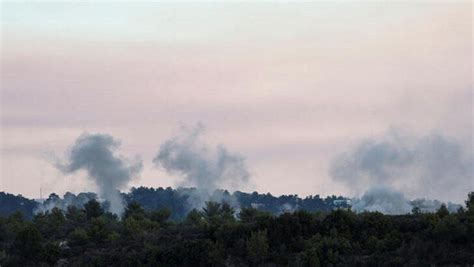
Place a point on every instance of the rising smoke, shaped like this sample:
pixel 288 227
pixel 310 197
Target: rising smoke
pixel 389 201
pixel 69 199
pixel 202 166
pixel 383 200
pixel 432 166
pixel 95 154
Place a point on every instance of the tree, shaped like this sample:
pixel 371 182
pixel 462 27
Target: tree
pixel 51 253
pixel 213 237
pixel 75 215
pixel 248 215
pixel 257 247
pixel 310 257
pixel 212 209
pixel 27 244
pixel 212 213
pixel 194 218
pixel 134 210
pixel 416 211
pixel 227 212
pixel 93 209
pixel 98 230
pixel 470 203
pixel 78 237
pixel 442 211
pixel 51 223
pixel 160 216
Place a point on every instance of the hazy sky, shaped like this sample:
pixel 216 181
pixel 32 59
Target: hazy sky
pixel 287 85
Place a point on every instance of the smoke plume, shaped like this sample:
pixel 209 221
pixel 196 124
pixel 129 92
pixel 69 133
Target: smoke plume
pixel 95 154
pixel 427 205
pixel 69 199
pixel 383 200
pixel 202 166
pixel 432 166
pixel 389 201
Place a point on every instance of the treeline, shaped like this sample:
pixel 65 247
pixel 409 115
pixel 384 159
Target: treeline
pixel 179 201
pixel 217 235
pixel 10 204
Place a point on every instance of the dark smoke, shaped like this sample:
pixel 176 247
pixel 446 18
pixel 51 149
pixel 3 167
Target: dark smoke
pixel 95 154
pixel 205 167
pixel 432 166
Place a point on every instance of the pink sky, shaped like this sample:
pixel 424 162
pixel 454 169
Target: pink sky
pixel 288 86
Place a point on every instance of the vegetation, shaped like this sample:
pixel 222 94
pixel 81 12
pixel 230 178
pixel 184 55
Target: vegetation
pixel 176 200
pixel 10 204
pixel 217 235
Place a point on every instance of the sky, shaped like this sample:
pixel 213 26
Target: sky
pixel 289 86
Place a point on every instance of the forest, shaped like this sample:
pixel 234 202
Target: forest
pixel 179 201
pixel 219 235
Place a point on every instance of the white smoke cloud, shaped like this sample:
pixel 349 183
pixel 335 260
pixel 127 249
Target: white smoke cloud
pixel 95 153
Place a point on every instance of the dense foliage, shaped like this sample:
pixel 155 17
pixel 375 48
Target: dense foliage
pixel 10 204
pixel 178 201
pixel 218 236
